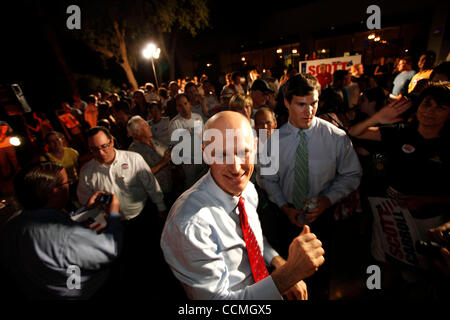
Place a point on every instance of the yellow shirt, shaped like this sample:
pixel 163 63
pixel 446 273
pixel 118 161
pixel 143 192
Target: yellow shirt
pixel 419 76
pixel 69 161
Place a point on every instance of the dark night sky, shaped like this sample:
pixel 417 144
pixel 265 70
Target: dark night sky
pixel 27 58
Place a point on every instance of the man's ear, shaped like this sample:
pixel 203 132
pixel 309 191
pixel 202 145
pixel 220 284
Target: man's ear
pixel 286 103
pixel 255 144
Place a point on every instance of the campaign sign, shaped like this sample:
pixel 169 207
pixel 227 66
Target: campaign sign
pixel 328 66
pixel 399 232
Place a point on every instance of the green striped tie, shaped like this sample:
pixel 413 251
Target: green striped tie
pixel 301 172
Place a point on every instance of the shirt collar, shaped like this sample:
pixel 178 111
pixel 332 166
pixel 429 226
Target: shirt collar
pixel 308 131
pixel 227 201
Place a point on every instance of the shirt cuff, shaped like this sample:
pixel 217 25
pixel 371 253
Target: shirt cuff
pixel 281 201
pixel 333 196
pixel 269 252
pixel 114 214
pixel 266 290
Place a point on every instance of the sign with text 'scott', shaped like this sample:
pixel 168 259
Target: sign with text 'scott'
pixel 330 64
pixel 397 230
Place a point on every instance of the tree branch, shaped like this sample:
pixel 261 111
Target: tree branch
pixel 107 53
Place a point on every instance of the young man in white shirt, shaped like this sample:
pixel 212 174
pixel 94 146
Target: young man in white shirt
pixel 317 164
pixel 159 124
pixel 192 125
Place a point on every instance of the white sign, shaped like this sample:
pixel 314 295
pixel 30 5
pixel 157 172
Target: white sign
pixel 398 228
pixel 331 64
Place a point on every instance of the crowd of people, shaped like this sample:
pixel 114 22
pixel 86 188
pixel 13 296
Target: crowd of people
pixel 338 144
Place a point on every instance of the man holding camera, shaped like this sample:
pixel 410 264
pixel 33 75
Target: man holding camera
pixel 43 244
pixel 123 173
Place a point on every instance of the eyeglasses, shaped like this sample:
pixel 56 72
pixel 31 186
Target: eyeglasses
pixel 69 182
pixel 102 147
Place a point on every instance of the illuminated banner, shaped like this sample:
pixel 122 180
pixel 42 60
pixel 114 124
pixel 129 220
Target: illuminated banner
pixel 330 64
pixel 399 232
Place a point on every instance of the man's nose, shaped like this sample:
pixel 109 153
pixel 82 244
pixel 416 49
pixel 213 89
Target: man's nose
pixel 235 167
pixel 308 110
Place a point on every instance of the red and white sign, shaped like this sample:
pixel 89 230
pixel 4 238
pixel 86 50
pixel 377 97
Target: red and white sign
pixel 93 219
pixel 331 64
pixel 398 229
pixel 323 69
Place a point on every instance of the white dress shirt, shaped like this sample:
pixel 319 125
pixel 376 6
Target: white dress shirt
pixel 178 122
pixel 188 149
pixel 203 244
pixel 194 125
pixel 129 177
pixel 334 169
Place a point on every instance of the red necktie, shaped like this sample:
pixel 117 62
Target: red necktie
pixel 257 263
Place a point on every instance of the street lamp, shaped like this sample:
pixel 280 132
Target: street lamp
pixel 152 52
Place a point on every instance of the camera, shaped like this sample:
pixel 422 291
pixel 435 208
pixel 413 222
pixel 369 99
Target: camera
pixel 105 198
pixel 429 248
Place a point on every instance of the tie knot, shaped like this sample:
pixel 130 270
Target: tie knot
pixel 301 133
pixel 242 213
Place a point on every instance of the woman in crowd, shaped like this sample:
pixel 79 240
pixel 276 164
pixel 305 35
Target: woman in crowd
pixel 62 155
pixel 419 151
pixel 418 161
pixel 242 104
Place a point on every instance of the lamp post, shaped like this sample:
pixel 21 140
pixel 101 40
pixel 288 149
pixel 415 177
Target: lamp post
pixel 152 52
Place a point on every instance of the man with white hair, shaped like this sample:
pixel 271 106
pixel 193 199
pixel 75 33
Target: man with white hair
pixel 154 152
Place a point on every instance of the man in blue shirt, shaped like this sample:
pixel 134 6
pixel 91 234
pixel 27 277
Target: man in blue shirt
pixel 317 161
pixel 42 246
pixel 402 80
